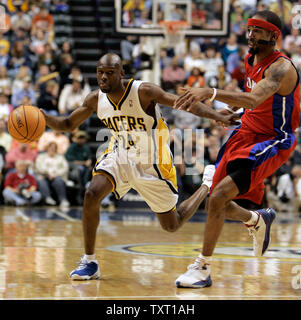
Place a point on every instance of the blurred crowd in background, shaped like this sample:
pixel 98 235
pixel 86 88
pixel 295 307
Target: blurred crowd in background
pixel 35 70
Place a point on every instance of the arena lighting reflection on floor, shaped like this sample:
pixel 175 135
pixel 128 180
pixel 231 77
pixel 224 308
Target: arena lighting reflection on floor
pixel 121 214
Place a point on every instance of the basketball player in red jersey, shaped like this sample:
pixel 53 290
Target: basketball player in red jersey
pixel 256 149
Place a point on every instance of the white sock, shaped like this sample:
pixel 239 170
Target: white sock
pixel 90 257
pixel 207 259
pixel 207 183
pixel 253 220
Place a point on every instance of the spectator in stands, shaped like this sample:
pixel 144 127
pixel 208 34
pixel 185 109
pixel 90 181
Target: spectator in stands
pixel 22 152
pixel 52 170
pixel 193 59
pixel 27 91
pixel 4 57
pixel 20 20
pixel 76 74
pixel 5 107
pixel 176 13
pixel 173 75
pixel 126 47
pixel 7 24
pixel 230 47
pixel 4 44
pixel 239 28
pixel 66 48
pixel 43 76
pixel 233 59
pixel 204 43
pixel 238 11
pixel 43 20
pixel 79 159
pixel 134 4
pixel 198 16
pixel 34 8
pixel 13 6
pixel 196 78
pixel 132 12
pixel 142 18
pixel 165 59
pixel 143 54
pixel 20 34
pixel 211 149
pixel 48 100
pixel 5 81
pixel 212 61
pixel 5 138
pixel 239 74
pixel 38 40
pixel 65 65
pixel 72 96
pixel 19 57
pixel 49 58
pixel 283 8
pixel 23 73
pixel 61 139
pixel 61 6
pixel 292 40
pixel 26 101
pixel 20 187
pixel 249 6
pixel 220 80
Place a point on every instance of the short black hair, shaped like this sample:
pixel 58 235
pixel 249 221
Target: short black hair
pixel 269 16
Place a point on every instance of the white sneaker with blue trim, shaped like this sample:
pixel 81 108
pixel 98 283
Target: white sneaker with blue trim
pixel 86 270
pixel 196 276
pixel 261 231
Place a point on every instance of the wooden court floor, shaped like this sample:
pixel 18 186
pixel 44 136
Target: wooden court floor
pixel 138 260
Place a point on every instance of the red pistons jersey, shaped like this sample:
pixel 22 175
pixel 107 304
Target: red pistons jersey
pixel 278 115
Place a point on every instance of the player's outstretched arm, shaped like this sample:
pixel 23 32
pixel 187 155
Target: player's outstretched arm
pixel 276 77
pixel 76 118
pixel 153 93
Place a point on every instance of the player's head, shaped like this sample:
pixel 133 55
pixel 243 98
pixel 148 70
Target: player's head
pixel 109 72
pixel 264 28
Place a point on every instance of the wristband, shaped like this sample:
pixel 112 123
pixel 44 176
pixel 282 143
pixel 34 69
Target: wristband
pixel 214 95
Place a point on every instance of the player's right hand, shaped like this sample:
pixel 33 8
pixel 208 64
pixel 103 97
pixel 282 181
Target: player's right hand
pixel 229 120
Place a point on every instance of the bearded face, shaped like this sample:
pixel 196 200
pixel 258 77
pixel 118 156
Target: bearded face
pixel 259 39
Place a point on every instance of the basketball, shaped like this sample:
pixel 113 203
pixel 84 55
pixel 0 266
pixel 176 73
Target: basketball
pixel 26 124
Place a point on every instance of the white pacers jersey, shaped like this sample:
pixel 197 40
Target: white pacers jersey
pixel 139 152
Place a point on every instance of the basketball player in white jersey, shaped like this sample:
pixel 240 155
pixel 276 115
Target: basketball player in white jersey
pixel 138 156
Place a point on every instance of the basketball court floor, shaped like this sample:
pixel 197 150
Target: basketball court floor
pixel 139 261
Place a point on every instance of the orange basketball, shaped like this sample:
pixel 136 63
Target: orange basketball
pixel 26 124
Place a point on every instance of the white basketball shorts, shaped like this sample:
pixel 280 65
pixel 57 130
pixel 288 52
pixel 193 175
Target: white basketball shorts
pixel 156 184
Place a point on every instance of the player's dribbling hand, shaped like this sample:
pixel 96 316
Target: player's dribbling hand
pixel 190 97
